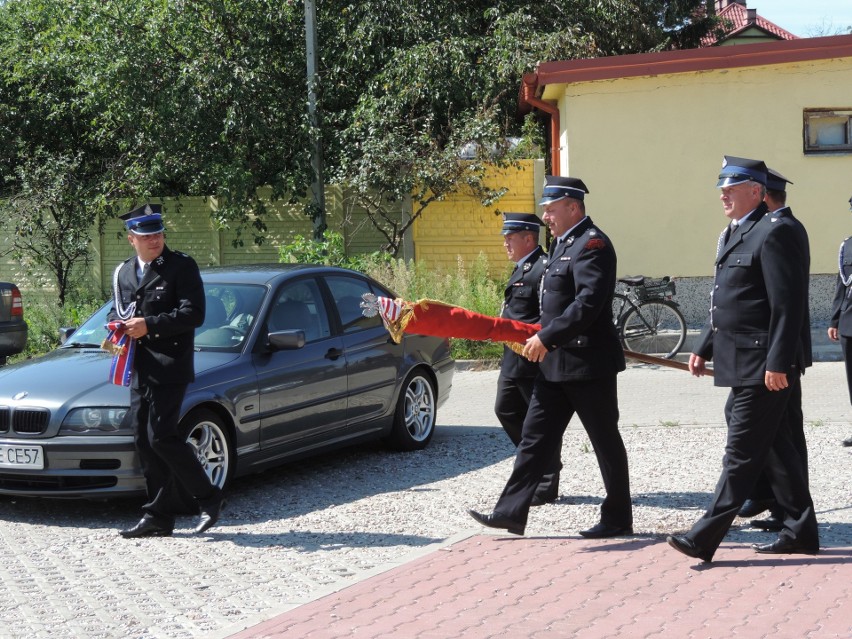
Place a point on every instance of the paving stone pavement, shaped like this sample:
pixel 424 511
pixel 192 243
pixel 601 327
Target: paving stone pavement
pixel 556 586
pixel 363 527
pixel 490 586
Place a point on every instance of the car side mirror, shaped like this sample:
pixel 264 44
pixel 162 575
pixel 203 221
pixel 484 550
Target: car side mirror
pixel 286 340
pixel 65 332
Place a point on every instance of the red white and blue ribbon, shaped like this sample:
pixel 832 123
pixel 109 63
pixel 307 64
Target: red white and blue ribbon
pixel 123 348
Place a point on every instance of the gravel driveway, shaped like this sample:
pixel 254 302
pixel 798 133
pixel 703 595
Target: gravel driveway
pixel 291 534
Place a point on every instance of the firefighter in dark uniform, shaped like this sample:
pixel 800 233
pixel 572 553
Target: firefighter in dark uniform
pixel 754 336
pixel 762 497
pixel 841 316
pixel 520 302
pixel 579 358
pixel 159 296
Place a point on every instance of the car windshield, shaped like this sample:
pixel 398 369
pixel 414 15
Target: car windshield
pixel 231 311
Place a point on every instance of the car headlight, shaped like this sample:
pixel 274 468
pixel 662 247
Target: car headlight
pixel 95 420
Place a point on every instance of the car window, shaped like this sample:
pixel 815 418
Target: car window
pixel 347 292
pixel 92 332
pixel 230 310
pixel 298 306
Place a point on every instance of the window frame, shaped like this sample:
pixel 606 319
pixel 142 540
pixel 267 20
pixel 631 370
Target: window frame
pixel 813 114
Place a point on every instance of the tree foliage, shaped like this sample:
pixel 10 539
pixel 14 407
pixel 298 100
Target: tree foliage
pixel 208 97
pixel 47 224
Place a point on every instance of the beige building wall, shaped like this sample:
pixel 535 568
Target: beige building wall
pixel 650 148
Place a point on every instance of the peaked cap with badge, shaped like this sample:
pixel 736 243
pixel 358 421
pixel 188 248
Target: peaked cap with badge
pixel 738 170
pixel 514 222
pixel 144 220
pixel 557 187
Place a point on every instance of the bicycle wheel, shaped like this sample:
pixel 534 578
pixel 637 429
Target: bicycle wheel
pixel 619 305
pixel 654 327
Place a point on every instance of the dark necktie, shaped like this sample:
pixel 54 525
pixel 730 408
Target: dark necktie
pixel 554 245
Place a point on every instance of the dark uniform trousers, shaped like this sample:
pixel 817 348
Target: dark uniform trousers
pixel 757 311
pixel 846 347
pixel 596 404
pixel 517 374
pixel 577 375
pixel 758 440
pixel 172 472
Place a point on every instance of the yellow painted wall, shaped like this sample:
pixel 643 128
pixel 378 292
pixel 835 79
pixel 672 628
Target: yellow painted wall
pixel 650 150
pixel 460 227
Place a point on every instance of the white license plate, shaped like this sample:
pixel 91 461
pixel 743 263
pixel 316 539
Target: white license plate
pixel 21 457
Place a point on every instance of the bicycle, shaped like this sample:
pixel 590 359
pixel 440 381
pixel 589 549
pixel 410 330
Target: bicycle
pixel 647 318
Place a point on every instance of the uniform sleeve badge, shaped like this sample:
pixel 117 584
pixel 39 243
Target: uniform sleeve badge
pixel 595 243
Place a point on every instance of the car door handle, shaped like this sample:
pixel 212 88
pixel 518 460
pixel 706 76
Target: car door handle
pixel 333 353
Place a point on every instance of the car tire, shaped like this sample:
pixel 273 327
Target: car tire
pixel 212 445
pixel 416 409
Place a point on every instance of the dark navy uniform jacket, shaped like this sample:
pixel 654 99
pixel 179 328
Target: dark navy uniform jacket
pixel 576 308
pixel 841 315
pixel 171 299
pixel 521 303
pixel 758 304
pixel 785 216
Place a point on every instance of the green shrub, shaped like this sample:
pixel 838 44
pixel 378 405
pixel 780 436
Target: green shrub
pixel 331 251
pixel 44 318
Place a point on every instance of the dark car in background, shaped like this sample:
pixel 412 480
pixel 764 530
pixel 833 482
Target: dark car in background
pixel 287 366
pixel 13 328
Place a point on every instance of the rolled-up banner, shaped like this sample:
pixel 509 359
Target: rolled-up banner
pixel 437 319
pixel 123 348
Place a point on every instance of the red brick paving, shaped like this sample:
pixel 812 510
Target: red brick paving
pixel 554 587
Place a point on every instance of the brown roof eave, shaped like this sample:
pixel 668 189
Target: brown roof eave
pixel 684 61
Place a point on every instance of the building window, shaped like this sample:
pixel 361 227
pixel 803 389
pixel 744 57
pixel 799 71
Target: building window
pixel 828 130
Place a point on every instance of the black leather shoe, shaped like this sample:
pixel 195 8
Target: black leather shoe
pixel 847 441
pixel 753 507
pixel 602 530
pixel 684 544
pixel 209 515
pixel 148 527
pixel 773 523
pixel 496 520
pixel 783 546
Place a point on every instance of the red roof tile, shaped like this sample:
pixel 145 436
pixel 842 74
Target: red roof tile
pixel 737 15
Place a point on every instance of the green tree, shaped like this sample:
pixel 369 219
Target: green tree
pixel 424 95
pixel 208 97
pixel 48 225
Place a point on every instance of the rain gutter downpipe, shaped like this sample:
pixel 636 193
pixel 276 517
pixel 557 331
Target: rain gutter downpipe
pixel 528 96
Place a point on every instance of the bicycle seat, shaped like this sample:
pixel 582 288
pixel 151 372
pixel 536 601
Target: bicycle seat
pixel 632 280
